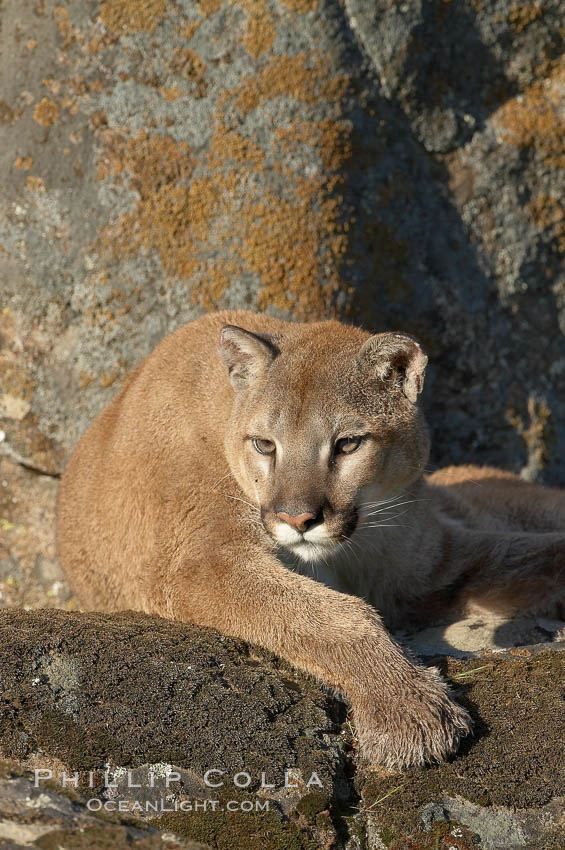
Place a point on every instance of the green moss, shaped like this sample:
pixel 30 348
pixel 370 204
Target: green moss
pixel 386 835
pixel 513 759
pixel 356 828
pixel 236 830
pixel 58 734
pixel 126 721
pixel 311 804
pixel 9 768
pixel 93 838
pixel 315 822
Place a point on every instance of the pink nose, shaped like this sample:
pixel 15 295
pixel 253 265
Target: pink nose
pixel 300 522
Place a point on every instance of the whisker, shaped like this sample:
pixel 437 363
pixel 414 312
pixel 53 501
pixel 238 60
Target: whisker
pixel 355 544
pixel 245 502
pixel 381 524
pixel 223 478
pixel 396 505
pixel 348 548
pixel 382 501
pixel 388 525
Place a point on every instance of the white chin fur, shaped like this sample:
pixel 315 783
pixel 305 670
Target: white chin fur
pixel 318 534
pixel 285 535
pixel 311 551
pixel 312 546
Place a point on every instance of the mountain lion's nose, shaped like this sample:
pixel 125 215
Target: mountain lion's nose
pixel 300 522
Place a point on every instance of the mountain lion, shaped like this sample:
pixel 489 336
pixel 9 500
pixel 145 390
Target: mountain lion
pixel 259 476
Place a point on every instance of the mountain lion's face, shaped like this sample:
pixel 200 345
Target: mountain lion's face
pixel 324 425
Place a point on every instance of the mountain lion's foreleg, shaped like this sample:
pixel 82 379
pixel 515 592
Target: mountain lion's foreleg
pixel 403 713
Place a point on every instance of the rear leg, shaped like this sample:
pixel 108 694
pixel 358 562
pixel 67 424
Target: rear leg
pixel 514 573
pixel 494 495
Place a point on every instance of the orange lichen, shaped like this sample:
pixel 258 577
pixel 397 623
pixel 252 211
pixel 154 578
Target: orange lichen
pixel 227 224
pixel 534 119
pixel 549 215
pixel 161 224
pixel 301 6
pixel 189 65
pixel 108 309
pixel 156 161
pixel 108 379
pixel 260 35
pixel 521 15
pixel 14 377
pixel 35 184
pixel 171 94
pixel 67 32
pixel 46 112
pixel 78 85
pixel 546 211
pixel 188 30
pixel 166 208
pixel 132 15
pixel 292 137
pixel 538 433
pixel 209 7
pixel 304 78
pixel 334 143
pixel 7 114
pixel 296 243
pixel 24 163
pixel 214 279
pixel 261 31
pixel 99 119
pixel 52 84
pixel 100 42
pixel 85 380
pixel 111 161
pixel 31 44
pixel 70 104
pixel 330 137
pixel 229 144
pixel 281 244
pixel 203 202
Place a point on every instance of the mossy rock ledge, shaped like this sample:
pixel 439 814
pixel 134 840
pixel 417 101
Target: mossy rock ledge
pixel 139 708
pixel 396 164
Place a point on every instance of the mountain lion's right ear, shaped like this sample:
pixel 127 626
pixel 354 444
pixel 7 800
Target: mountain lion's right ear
pixel 246 354
pixel 397 359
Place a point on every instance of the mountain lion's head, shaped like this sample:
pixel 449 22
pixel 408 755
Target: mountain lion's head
pixel 324 425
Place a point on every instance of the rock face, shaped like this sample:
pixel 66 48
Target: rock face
pixel 110 700
pixel 37 816
pixel 130 689
pixel 118 693
pixel 397 164
pixel 506 788
pixel 29 571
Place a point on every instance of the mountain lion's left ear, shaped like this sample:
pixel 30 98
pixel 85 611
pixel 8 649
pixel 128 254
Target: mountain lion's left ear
pixel 246 354
pixel 396 357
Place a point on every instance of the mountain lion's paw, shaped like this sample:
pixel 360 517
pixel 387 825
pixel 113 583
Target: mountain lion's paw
pixel 420 724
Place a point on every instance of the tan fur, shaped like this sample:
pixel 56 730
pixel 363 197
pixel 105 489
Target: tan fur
pixel 167 507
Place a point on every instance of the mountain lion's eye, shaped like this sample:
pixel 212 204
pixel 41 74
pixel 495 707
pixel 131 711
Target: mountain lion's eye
pixel 264 447
pixel 347 445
